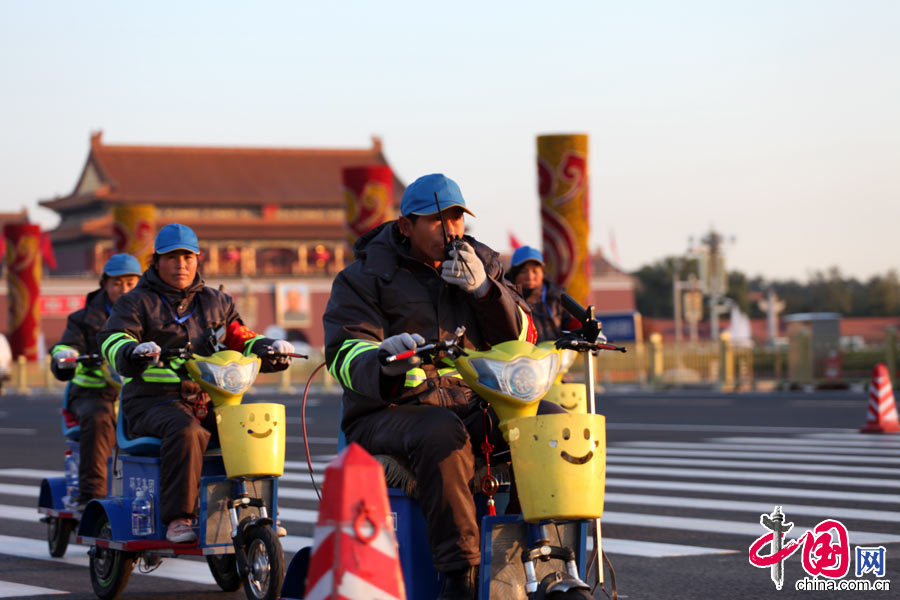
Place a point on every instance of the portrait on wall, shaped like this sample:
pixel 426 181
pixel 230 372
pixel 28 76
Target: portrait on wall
pixel 292 304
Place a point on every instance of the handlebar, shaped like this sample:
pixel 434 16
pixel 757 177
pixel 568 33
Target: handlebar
pixel 450 346
pixel 82 358
pixel 585 339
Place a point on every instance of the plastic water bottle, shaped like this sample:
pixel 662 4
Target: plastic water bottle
pixel 71 468
pixel 141 514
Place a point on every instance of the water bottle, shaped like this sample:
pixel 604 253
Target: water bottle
pixel 71 497
pixel 141 514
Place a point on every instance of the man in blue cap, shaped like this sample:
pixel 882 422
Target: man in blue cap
pixel 169 308
pixel 90 400
pixel 527 272
pixel 406 287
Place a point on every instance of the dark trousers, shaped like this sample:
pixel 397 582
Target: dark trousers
pixel 97 417
pixel 439 447
pixel 184 441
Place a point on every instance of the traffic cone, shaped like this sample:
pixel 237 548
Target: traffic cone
pixel 882 417
pixel 354 554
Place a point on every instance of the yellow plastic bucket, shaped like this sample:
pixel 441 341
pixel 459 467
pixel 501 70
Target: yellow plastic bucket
pixel 252 439
pixel 559 461
pixel 571 396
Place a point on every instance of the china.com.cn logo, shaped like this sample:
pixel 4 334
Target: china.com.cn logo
pixel 826 553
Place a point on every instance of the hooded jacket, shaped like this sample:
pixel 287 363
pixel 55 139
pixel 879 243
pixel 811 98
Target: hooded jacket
pixel 550 318
pixel 157 312
pixel 387 291
pixel 80 335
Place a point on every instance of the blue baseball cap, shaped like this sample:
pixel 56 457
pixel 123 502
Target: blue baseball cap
pixel 525 253
pixel 418 199
pixel 176 236
pixel 122 264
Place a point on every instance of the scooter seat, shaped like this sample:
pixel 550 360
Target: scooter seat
pixel 142 446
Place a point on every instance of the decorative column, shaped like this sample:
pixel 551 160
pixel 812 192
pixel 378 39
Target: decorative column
pixel 563 189
pixel 368 197
pixel 23 277
pixel 134 227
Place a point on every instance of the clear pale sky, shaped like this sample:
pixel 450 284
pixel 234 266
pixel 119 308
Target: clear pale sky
pixel 777 122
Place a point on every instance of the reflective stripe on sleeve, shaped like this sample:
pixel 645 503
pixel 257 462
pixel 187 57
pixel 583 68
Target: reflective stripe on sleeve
pixel 350 349
pixel 248 345
pixel 160 375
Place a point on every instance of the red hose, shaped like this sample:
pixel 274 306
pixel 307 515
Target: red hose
pixel 303 429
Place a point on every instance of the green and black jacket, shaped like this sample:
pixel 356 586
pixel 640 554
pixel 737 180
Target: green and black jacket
pixel 80 335
pixel 157 312
pixel 387 291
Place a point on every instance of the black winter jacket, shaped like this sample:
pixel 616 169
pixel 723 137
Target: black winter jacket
pixel 386 291
pixel 550 318
pixel 80 335
pixel 157 312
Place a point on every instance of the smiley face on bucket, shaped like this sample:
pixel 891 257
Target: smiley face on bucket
pixel 259 427
pixel 577 452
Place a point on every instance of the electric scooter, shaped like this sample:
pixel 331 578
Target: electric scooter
pixel 559 464
pixel 238 491
pixel 56 500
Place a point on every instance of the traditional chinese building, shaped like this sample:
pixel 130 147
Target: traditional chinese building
pixel 256 211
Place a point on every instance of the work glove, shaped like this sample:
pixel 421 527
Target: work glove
pixel 465 270
pixel 146 353
pixel 59 355
pixel 397 344
pixel 282 347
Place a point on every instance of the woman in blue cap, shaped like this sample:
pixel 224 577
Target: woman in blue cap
pixel 527 271
pixel 91 399
pixel 171 307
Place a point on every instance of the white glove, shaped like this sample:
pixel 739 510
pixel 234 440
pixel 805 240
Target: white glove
pixel 62 354
pixel 283 347
pixel 143 353
pixel 466 270
pixel 397 344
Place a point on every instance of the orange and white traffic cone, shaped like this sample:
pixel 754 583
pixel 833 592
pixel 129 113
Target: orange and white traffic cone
pixel 354 554
pixel 882 417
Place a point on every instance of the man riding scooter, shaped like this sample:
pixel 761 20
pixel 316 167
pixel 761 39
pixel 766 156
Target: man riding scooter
pixel 171 308
pixel 406 287
pixel 91 400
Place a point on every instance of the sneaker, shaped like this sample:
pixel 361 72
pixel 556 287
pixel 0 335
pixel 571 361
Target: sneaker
pixel 180 532
pixel 281 531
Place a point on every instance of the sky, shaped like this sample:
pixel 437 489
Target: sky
pixel 777 122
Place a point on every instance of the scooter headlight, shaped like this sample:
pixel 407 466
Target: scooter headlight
pixel 524 378
pixel 232 377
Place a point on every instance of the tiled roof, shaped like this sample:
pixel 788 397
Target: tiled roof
pixel 185 175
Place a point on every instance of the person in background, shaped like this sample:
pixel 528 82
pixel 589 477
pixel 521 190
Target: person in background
pixel 527 271
pixel 91 400
pixel 169 308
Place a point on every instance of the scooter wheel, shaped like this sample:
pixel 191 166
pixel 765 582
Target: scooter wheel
pixel 265 560
pixel 224 570
pixel 110 569
pixel 58 533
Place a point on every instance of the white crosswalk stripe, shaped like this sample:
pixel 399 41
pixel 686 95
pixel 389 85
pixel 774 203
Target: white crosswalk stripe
pixel 656 491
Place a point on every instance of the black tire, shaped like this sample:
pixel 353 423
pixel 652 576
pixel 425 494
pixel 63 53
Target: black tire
pixel 577 594
pixel 58 532
pixel 110 569
pixel 266 561
pixel 224 570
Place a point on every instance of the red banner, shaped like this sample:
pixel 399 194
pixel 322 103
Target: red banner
pixel 23 276
pixel 369 197
pixel 61 304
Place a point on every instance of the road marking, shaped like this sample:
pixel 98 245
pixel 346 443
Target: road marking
pixel 30 473
pixel 748 528
pixel 857 444
pixel 758 446
pixel 855 434
pixel 836 512
pixel 17 431
pixel 736 428
pixel 171 568
pixel 16 489
pixel 655 549
pixel 817 457
pixel 770 465
pixel 751 490
pixel 827 480
pixel 9 589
